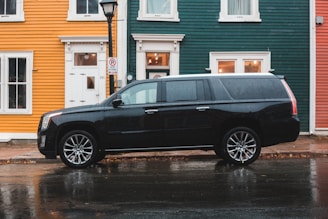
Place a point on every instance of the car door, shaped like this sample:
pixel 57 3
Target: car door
pixel 135 123
pixel 186 113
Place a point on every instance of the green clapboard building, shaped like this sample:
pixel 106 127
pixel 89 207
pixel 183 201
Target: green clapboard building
pixel 171 37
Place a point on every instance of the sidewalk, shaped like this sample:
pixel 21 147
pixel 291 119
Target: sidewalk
pixel 303 147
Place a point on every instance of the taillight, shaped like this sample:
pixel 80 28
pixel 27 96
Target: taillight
pixel 292 97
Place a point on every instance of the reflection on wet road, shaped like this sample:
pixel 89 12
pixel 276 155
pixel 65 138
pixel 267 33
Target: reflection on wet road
pixel 166 189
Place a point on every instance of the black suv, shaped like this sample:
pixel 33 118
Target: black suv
pixel 234 114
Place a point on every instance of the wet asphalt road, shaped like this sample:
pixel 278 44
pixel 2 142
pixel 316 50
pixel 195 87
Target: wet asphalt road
pixel 166 189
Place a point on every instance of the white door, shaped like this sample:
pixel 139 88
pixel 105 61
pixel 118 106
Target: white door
pixel 85 74
pixel 83 87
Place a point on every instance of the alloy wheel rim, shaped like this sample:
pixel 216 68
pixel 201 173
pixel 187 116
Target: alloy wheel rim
pixel 241 146
pixel 78 149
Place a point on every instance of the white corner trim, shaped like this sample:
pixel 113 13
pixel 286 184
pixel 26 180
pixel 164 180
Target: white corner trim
pixel 122 42
pixel 312 109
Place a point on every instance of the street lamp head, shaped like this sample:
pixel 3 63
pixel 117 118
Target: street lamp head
pixel 108 7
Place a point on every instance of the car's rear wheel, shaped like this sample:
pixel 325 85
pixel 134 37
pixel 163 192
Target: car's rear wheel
pixel 78 149
pixel 241 146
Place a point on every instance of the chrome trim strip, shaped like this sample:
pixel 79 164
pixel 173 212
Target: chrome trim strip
pixel 159 148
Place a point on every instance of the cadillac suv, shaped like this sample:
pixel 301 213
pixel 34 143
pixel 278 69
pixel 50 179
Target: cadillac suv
pixel 233 114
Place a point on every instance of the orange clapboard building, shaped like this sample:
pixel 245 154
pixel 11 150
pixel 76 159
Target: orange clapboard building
pixel 321 120
pixel 52 55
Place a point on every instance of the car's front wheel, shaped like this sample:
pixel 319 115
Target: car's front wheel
pixel 241 146
pixel 78 149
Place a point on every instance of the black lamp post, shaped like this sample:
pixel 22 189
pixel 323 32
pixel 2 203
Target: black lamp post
pixel 109 7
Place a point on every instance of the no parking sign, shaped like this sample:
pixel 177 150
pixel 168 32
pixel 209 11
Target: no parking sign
pixel 112 65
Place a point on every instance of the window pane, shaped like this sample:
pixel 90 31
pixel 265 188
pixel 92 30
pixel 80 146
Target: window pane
pixel 155 74
pixel 2 6
pixel 21 96
pixel 87 6
pixel 90 82
pixel 21 70
pixel 12 70
pixel 140 94
pixel 8 7
pixel 12 97
pixel 158 59
pixel 93 7
pixel 11 7
pixel 181 91
pixel 239 7
pixel 17 100
pixel 81 6
pixel 252 66
pixel 256 88
pixel 226 66
pixel 82 59
pixel 158 6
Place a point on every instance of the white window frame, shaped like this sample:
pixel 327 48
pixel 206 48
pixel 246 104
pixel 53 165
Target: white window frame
pixel 73 16
pixel 240 58
pixel 4 56
pixel 254 17
pixel 172 17
pixel 18 17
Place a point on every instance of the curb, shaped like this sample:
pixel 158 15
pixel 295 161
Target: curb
pixel 29 161
pixel 304 147
pixel 293 155
pixel 126 157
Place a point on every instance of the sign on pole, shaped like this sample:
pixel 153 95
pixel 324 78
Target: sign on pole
pixel 112 65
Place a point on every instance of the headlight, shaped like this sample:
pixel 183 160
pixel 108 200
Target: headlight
pixel 46 119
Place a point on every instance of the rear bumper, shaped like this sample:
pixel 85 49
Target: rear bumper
pixel 285 132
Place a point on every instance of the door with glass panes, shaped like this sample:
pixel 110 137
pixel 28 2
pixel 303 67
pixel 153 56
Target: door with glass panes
pixel 83 80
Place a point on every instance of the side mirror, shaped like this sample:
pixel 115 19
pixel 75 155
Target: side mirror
pixel 116 102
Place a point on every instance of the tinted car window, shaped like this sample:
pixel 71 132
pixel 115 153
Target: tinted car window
pixel 184 91
pixel 254 88
pixel 140 94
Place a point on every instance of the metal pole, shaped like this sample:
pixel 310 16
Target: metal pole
pixel 110 53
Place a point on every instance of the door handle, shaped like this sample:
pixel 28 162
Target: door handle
pixel 151 111
pixel 202 108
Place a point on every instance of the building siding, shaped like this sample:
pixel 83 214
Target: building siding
pixel 44 22
pixel 284 31
pixel 322 66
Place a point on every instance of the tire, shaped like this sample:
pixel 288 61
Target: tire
pixel 241 146
pixel 78 149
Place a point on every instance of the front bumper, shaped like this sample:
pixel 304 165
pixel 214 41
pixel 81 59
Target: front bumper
pixel 47 142
pixel 44 149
